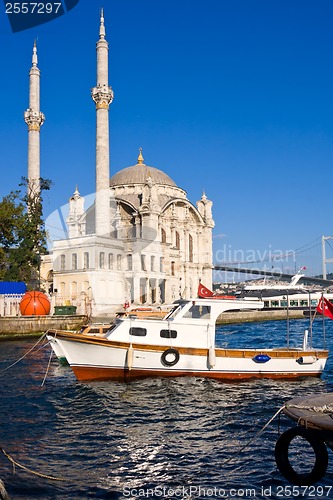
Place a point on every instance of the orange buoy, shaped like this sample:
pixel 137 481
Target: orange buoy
pixel 35 304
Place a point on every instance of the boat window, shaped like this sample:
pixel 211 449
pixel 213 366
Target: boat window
pixel 94 330
pixel 313 302
pixel 304 303
pixel 198 312
pixel 275 303
pixel 138 332
pixel 266 303
pixel 283 303
pixel 293 303
pixel 168 334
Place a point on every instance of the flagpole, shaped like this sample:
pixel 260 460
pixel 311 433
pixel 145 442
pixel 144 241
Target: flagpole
pixel 287 318
pixel 324 332
pixel 311 320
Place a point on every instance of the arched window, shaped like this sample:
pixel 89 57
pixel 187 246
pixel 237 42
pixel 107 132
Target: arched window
pixel 119 261
pixel 152 263
pixel 102 260
pixel 163 236
pixel 74 261
pixel 62 262
pixel 73 289
pixel 177 241
pixel 110 260
pixel 86 260
pixel 190 248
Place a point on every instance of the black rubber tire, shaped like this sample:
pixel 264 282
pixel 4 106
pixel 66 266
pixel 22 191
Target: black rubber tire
pixel 282 459
pixel 165 361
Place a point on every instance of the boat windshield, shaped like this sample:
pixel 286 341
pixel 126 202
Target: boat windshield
pixel 178 306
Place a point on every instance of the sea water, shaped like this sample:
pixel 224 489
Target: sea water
pixel 153 438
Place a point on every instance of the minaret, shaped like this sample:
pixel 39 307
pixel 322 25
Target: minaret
pixel 34 119
pixel 102 95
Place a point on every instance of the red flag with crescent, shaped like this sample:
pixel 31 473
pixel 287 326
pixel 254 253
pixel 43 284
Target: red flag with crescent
pixel 325 307
pixel 204 292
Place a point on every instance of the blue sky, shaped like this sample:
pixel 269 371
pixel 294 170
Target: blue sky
pixel 230 97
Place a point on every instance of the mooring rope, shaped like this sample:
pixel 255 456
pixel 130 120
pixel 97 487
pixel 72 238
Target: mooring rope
pixel 47 368
pixel 317 409
pixel 17 464
pixel 232 458
pixel 24 355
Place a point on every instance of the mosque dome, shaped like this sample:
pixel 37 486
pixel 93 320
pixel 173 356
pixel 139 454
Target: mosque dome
pixel 139 173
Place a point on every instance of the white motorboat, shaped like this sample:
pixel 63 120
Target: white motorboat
pixel 182 343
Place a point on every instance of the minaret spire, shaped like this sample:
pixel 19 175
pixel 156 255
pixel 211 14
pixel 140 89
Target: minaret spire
pixel 102 95
pixel 34 55
pixel 102 27
pixel 34 119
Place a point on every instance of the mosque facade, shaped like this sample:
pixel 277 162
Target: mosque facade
pixel 141 242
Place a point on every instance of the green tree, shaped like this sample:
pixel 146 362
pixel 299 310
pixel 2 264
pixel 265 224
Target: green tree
pixel 22 233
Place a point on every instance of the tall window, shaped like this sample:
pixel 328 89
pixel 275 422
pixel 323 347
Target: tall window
pixel 74 261
pixel 119 261
pixel 152 263
pixel 129 262
pixel 177 240
pixel 86 260
pixel 110 260
pixel 143 263
pixel 62 262
pixel 161 265
pixel 74 289
pixel 172 268
pixel 102 260
pixel 190 248
pixel 163 236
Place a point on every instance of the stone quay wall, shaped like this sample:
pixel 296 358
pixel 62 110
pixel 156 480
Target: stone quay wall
pixel 253 316
pixel 24 325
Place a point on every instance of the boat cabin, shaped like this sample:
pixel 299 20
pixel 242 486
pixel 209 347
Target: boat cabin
pixel 190 323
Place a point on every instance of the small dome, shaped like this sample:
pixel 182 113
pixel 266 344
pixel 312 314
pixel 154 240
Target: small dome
pixel 139 173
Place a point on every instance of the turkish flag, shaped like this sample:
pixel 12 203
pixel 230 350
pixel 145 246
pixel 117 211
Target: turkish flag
pixel 204 292
pixel 325 308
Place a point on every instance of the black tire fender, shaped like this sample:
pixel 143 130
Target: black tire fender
pixel 167 353
pixel 319 448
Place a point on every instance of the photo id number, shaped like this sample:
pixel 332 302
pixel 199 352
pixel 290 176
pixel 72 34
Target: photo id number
pixel 32 8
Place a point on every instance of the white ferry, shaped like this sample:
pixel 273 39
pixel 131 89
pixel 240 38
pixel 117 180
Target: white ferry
pixel 283 295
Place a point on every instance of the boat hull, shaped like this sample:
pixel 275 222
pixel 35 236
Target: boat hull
pixel 102 359
pixel 88 373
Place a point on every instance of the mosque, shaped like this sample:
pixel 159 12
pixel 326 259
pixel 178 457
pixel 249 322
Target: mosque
pixel 141 242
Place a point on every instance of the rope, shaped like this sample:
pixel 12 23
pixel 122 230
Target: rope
pixel 47 368
pixel 254 437
pixel 24 355
pixel 317 409
pixel 14 462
